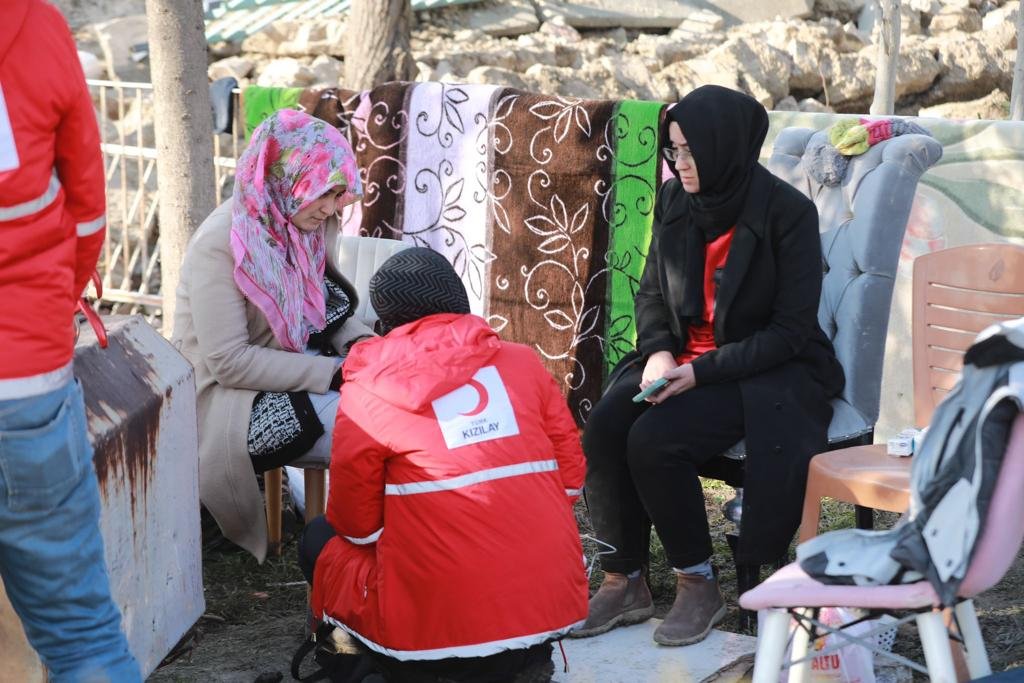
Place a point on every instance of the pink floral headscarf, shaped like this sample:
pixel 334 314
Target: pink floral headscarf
pixel 291 160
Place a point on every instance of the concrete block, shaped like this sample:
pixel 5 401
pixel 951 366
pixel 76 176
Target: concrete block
pixel 141 406
pixel 141 410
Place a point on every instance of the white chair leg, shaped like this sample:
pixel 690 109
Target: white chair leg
pixel 801 673
pixel 977 659
pixel 771 646
pixel 935 642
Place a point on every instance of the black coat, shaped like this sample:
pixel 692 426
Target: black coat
pixel 768 338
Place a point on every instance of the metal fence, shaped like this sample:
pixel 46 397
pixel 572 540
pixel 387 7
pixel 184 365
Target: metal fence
pixel 130 262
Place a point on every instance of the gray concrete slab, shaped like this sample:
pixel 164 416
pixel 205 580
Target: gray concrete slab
pixel 745 11
pixel 629 655
pixel 509 18
pixel 116 38
pixel 638 14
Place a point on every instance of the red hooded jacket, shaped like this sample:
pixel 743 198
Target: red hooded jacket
pixel 52 204
pixel 455 466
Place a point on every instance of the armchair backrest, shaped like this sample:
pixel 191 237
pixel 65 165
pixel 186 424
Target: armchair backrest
pixel 357 259
pixel 862 222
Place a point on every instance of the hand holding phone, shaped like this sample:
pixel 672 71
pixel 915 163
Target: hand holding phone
pixel 656 386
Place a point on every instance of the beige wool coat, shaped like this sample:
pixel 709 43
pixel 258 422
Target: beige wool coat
pixel 235 355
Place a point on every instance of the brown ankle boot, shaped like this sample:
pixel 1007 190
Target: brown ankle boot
pixel 619 601
pixel 698 606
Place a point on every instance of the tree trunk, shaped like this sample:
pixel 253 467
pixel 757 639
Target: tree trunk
pixel 378 43
pixel 1017 91
pixel 888 59
pixel 183 123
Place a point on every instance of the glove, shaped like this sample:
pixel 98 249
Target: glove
pixel 337 380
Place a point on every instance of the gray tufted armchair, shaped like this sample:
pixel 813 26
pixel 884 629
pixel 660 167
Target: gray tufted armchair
pixel 862 222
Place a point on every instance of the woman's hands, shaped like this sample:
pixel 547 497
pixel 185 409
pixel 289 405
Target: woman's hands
pixel 680 379
pixel 658 363
pixel 352 342
pixel 663 364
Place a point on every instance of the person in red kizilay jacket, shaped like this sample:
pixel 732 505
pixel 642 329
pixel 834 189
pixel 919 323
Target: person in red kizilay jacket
pixel 52 222
pixel 449 532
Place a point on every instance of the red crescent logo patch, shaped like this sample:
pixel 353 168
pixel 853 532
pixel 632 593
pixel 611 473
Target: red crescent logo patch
pixel 482 393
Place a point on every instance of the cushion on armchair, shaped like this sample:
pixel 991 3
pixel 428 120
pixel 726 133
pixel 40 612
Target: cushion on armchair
pixel 862 222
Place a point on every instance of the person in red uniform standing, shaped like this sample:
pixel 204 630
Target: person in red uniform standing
pixel 52 220
pixel 450 546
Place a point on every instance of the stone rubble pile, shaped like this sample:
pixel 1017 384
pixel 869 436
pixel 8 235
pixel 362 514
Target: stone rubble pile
pixel 956 56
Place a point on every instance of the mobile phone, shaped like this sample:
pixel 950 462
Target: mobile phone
pixel 656 386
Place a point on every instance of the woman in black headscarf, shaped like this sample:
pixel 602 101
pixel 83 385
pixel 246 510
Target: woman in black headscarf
pixel 727 313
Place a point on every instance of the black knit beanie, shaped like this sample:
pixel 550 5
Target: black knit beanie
pixel 415 283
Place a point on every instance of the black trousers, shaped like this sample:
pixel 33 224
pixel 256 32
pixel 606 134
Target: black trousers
pixel 642 463
pixel 314 537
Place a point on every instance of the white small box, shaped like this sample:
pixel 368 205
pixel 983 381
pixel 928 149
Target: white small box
pixel 900 446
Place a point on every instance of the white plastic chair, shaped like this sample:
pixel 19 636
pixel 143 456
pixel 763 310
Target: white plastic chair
pixel 792 594
pixel 357 259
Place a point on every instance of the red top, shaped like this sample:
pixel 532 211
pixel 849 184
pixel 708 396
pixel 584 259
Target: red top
pixel 702 335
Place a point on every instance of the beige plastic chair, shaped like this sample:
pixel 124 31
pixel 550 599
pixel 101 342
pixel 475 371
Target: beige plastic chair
pixel 957 293
pixel 357 259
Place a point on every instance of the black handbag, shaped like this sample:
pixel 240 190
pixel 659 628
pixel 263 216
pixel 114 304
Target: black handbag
pixel 336 667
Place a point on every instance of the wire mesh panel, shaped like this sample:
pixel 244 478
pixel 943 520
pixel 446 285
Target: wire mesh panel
pixel 130 261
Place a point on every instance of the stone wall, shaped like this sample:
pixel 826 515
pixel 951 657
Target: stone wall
pixel 806 57
pixel 792 55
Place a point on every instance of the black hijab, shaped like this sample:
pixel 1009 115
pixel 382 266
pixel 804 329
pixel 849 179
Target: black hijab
pixel 724 130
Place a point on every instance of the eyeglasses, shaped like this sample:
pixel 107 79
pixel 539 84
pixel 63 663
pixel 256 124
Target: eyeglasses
pixel 672 155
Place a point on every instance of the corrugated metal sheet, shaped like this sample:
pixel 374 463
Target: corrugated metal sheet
pixel 233 20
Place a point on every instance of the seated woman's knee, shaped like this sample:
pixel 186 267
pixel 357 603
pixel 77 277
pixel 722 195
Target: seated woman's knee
pixel 595 433
pixel 643 448
pixel 604 426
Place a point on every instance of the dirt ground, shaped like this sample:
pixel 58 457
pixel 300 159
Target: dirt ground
pixel 255 613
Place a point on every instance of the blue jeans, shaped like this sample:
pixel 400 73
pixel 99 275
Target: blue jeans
pixel 51 551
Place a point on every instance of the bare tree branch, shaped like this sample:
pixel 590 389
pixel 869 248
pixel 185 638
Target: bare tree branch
pixel 888 59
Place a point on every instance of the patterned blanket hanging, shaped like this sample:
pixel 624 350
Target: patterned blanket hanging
pixel 543 204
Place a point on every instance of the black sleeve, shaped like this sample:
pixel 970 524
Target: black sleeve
pixel 794 317
pixel 653 330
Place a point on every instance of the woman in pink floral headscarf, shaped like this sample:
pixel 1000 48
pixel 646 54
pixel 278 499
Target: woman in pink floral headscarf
pixel 263 320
